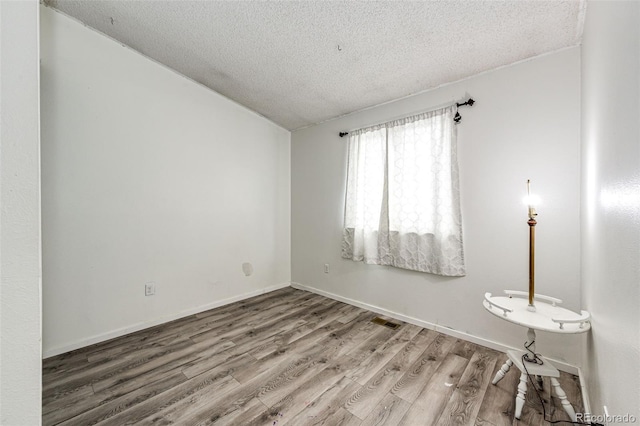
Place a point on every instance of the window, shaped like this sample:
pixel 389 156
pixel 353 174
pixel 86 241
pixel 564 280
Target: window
pixel 403 195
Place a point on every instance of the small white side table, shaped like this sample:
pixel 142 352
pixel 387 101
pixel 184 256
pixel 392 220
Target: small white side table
pixel 547 316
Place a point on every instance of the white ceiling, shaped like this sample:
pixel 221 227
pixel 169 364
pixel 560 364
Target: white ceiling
pixel 303 62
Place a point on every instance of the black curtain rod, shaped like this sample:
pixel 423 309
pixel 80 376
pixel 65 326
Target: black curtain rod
pixel 470 102
pixel 456 118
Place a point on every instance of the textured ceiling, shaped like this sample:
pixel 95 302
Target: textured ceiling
pixel 300 63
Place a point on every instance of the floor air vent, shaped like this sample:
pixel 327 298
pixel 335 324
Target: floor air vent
pixel 378 320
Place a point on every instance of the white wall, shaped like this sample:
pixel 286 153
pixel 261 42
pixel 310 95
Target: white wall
pixel 611 204
pixel 525 124
pixel 20 263
pixel 149 177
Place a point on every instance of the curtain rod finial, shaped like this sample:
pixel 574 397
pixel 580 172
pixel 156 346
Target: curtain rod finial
pixel 343 134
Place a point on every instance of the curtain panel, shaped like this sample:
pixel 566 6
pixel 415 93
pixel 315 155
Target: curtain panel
pixel 403 195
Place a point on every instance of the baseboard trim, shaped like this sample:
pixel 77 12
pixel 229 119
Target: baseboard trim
pixel 146 324
pixel 583 391
pixel 561 365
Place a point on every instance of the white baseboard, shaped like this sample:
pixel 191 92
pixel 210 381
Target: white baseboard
pixel 583 391
pixel 146 324
pixel 561 365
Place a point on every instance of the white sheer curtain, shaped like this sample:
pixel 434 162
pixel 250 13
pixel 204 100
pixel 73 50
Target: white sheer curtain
pixel 403 195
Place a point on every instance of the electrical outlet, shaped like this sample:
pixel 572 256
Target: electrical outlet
pixel 150 289
pixel 326 268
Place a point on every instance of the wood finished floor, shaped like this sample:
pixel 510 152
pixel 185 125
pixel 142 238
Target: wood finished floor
pixel 288 357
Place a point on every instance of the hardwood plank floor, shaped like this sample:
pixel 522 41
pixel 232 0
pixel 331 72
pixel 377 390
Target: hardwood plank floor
pixel 288 357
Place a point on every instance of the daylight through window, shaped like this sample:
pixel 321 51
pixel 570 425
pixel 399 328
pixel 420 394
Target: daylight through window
pixel 403 195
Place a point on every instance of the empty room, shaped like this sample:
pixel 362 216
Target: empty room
pixel 320 212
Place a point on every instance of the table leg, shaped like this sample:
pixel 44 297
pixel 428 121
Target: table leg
pixel 522 391
pixel 563 399
pixel 503 370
